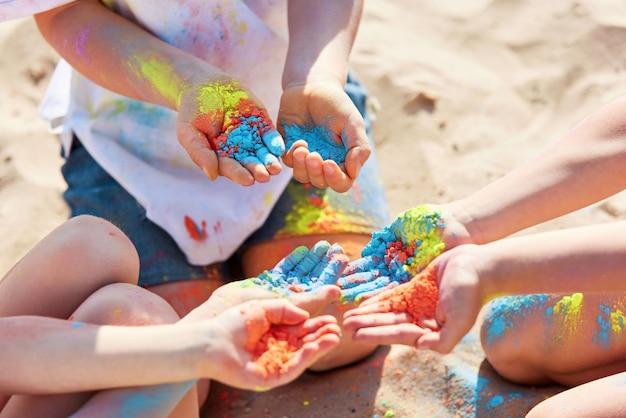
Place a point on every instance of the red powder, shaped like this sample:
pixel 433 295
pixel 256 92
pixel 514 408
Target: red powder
pixel 275 348
pixel 195 233
pixel 399 251
pixel 418 297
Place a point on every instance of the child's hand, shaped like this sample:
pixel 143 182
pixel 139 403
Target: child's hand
pixel 306 277
pixel 227 131
pixel 382 320
pixel 324 134
pixel 267 343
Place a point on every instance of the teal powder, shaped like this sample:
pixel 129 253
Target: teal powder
pixel 318 138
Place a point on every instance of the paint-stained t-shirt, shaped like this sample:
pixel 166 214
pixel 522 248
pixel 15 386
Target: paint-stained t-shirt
pixel 135 142
pixel 14 9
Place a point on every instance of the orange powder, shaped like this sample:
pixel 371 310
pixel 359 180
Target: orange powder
pixel 275 348
pixel 417 297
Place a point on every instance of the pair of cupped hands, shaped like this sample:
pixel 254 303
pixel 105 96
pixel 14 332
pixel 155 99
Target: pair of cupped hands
pixel 205 111
pixel 302 284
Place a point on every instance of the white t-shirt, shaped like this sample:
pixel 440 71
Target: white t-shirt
pixel 14 9
pixel 135 142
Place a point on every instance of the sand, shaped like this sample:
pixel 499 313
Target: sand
pixel 462 92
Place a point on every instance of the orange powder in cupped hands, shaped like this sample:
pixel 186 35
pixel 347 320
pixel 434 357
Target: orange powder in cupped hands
pixel 275 348
pixel 418 297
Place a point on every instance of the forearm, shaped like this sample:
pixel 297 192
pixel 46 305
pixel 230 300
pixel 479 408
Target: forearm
pixel 119 55
pixel 321 35
pixel 44 355
pixel 586 166
pixel 586 259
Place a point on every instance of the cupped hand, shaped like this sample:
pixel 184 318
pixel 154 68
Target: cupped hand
pixel 306 277
pixel 226 131
pixel 460 298
pixel 324 135
pixel 261 344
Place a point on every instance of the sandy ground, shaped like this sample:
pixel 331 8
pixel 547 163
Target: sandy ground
pixel 462 91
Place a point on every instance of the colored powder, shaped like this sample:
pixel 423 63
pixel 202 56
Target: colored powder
pixel 319 139
pixel 408 245
pixel 302 270
pixel 275 348
pixel 570 309
pixel 611 321
pixel 248 134
pixel 504 313
pixel 418 297
pixel 161 77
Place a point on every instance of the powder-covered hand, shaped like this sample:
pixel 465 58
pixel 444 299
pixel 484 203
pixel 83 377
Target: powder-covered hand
pixel 324 135
pixel 306 277
pixel 261 344
pixel 389 317
pixel 227 131
pixel 395 254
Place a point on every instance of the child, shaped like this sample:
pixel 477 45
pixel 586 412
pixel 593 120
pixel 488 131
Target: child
pixel 105 359
pixel 171 111
pixel 576 339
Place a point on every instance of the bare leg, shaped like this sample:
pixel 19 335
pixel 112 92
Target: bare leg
pixel 541 339
pixel 115 304
pixel 604 397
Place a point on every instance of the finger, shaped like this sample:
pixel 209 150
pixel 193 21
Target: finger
pixel 336 178
pixel 312 259
pixel 315 328
pixel 317 299
pixel 300 172
pixel 333 270
pixel 356 158
pixel 257 170
pixel 382 306
pixel 405 334
pixel 288 263
pixel 364 264
pixel 288 155
pixel 264 156
pixel 234 171
pixel 365 289
pixel 282 311
pixel 274 142
pixel 334 254
pixel 314 167
pixel 357 279
pixel 198 148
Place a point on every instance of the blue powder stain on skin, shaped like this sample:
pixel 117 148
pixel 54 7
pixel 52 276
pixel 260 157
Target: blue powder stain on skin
pixel 602 336
pixel 494 402
pixel 318 138
pixel 505 310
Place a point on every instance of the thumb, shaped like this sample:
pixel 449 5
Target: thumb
pixel 315 300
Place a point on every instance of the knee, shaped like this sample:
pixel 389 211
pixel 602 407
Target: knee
pixel 99 244
pixel 125 304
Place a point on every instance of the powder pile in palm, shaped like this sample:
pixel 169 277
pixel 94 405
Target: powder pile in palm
pixel 319 139
pixel 418 297
pixel 408 245
pixel 275 348
pixel 243 138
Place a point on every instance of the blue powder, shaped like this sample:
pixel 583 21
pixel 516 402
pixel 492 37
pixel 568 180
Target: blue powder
pixel 319 139
pixel 252 141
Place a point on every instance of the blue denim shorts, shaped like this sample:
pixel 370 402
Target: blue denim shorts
pixel 301 210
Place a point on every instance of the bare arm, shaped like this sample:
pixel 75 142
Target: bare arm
pixel 321 35
pixel 119 55
pixel 585 259
pixel 587 165
pixel 76 357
